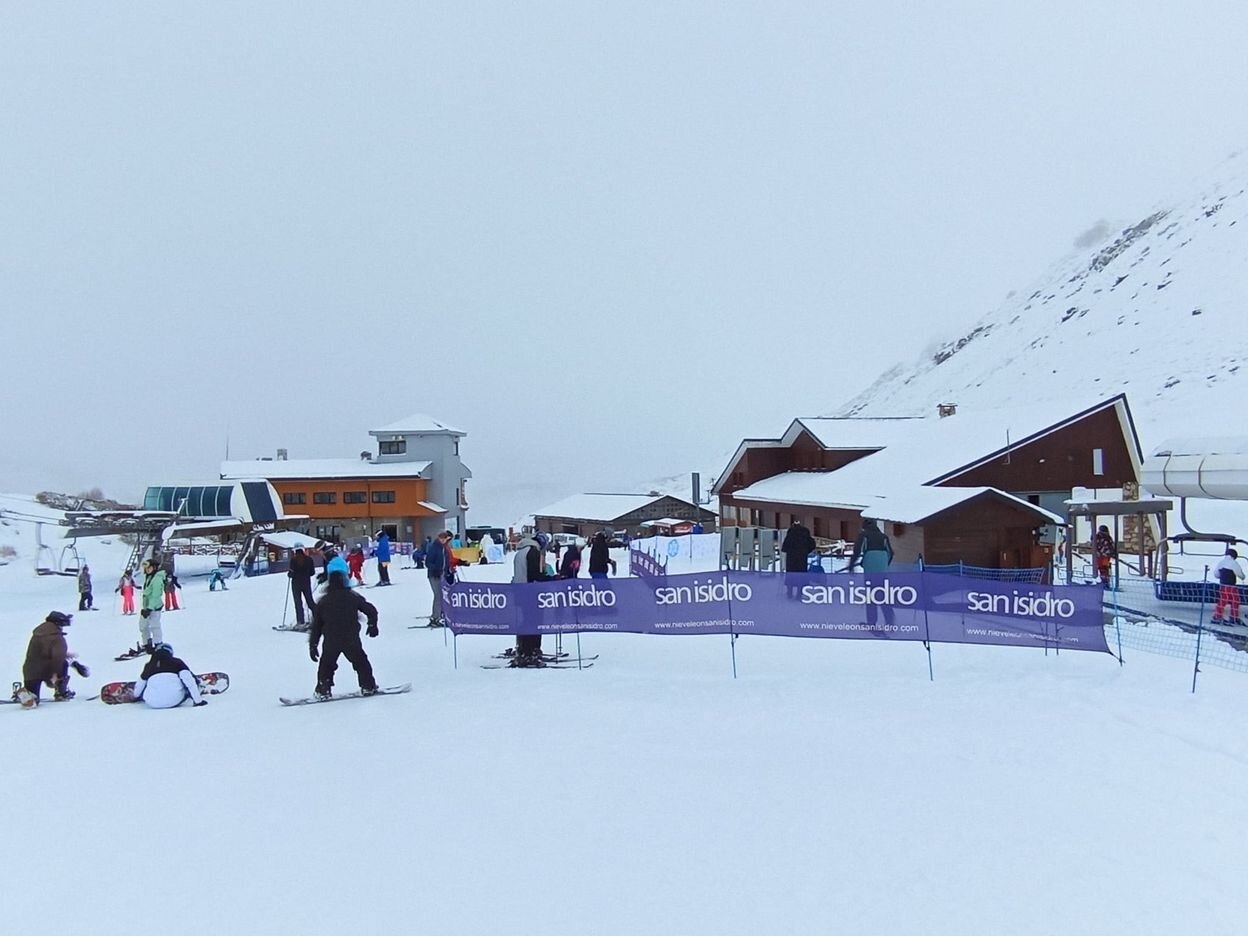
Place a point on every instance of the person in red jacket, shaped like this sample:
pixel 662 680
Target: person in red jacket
pixel 355 562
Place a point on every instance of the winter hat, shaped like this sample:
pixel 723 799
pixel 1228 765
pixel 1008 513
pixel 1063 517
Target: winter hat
pixel 60 618
pixel 1232 553
pixel 163 648
pixel 542 540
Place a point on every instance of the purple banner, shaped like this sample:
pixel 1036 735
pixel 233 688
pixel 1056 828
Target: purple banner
pixel 644 564
pixel 914 606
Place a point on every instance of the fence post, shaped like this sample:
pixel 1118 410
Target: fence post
pixel 927 633
pixel 1117 627
pixel 1200 626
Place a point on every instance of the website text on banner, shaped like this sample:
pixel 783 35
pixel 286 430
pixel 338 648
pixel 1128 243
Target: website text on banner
pixel 893 606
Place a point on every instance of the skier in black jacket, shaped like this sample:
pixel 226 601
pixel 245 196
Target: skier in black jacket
pixel 302 568
pixel 337 617
pixel 797 546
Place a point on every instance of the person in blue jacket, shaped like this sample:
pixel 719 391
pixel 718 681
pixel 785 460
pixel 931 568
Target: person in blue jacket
pixel 437 567
pixel 382 552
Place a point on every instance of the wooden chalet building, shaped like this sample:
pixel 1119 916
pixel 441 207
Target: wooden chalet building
pixel 586 514
pixel 986 487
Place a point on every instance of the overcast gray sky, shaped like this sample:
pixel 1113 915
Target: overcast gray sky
pixel 605 239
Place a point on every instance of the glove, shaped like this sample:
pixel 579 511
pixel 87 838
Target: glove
pixel 316 657
pixel 81 669
pixel 200 702
pixel 145 613
pixel 372 630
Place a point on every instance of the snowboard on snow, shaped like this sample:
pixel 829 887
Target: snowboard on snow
pixel 293 627
pixel 118 693
pixel 313 700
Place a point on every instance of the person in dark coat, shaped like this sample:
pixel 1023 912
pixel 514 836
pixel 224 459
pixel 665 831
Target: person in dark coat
pixel 336 617
pixel 529 565
pixel 1104 551
pixel 600 557
pixel 301 571
pixel 439 566
pixel 48 660
pixel 797 546
pixel 570 566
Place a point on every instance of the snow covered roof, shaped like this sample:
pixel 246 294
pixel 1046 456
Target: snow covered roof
pixel 430 505
pixel 605 507
pixel 922 453
pixel 416 424
pixel 853 432
pixel 312 468
pixel 289 539
pixel 906 503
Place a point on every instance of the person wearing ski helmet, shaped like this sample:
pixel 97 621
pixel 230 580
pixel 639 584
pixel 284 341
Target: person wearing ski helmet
pixel 153 604
pixel 336 617
pixel 166 681
pixel 48 660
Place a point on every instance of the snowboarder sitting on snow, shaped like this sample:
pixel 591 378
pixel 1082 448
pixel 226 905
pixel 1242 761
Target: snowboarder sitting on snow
pixel 48 660
pixel 166 682
pixel 337 617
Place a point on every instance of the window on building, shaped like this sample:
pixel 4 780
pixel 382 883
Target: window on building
pixel 844 530
pixel 299 498
pixel 383 497
pixel 324 497
pixel 821 527
pixel 398 447
pixel 327 533
pixel 1098 461
pixel 355 497
pixel 729 514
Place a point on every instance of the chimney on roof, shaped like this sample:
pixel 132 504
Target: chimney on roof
pixel 366 456
pixel 946 409
pixel 281 454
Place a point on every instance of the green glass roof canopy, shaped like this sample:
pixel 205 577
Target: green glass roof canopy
pixel 252 501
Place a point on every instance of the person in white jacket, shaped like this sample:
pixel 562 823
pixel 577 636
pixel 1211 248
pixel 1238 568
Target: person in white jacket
pixel 166 682
pixel 1229 573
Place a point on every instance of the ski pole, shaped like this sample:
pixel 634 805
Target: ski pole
pixel 285 605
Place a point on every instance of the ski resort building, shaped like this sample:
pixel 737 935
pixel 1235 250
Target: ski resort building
pixel 636 514
pixel 985 488
pixel 413 486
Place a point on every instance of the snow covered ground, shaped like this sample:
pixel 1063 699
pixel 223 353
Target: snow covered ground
pixel 830 788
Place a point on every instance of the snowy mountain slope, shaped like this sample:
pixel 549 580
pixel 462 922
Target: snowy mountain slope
pixel 1155 311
